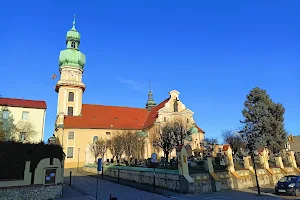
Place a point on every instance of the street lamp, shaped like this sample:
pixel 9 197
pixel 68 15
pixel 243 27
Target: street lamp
pixel 255 152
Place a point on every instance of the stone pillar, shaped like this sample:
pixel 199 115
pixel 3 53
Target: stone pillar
pixel 229 159
pixel 292 159
pixel 183 168
pixel 264 158
pixel 247 163
pixel 186 182
pixel 209 165
pixel 279 162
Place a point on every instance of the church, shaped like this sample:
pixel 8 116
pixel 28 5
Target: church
pixel 78 125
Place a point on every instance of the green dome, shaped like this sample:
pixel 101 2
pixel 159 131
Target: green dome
pixel 151 102
pixel 71 58
pixel 193 130
pixel 73 35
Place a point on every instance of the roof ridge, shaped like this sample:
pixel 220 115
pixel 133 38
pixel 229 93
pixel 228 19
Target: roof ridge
pixel 22 99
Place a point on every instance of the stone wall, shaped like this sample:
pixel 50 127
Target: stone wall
pixel 263 177
pixel 41 192
pixel 203 182
pixel 225 180
pixel 168 179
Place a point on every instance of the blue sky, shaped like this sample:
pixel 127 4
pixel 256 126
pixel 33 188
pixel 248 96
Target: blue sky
pixel 212 52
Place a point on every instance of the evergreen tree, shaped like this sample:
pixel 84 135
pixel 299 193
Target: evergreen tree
pixel 7 127
pixel 264 121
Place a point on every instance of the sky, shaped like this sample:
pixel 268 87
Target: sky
pixel 212 52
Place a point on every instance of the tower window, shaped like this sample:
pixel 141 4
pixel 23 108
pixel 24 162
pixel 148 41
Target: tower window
pixel 71 96
pixel 73 45
pixel 71 135
pixel 70 111
pixel 95 138
pixel 165 119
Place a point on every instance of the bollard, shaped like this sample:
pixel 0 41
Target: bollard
pixel 102 171
pixel 112 198
pixel 118 175
pixel 70 178
pixel 154 178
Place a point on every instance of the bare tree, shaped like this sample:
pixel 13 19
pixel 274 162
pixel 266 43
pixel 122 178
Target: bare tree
pixel 116 145
pixel 98 147
pixel 181 128
pixel 25 131
pixel 234 140
pixel 129 142
pixel 165 138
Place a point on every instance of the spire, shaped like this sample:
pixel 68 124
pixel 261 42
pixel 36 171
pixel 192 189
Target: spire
pixel 74 22
pixel 150 103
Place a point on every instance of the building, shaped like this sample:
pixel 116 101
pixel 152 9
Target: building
pixel 28 117
pixel 78 124
pixel 294 143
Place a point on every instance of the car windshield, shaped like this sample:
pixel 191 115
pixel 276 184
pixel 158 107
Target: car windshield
pixel 289 179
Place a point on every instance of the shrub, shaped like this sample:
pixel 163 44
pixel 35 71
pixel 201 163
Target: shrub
pixel 13 156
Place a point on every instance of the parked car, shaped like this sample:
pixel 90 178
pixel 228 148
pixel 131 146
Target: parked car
pixel 288 185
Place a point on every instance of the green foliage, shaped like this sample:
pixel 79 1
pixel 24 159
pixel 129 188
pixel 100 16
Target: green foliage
pixel 7 127
pixel 13 156
pixel 263 121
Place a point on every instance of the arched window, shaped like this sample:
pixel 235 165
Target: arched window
pixel 95 138
pixel 71 135
pixel 187 120
pixel 71 96
pixel 70 111
pixel 165 119
pixel 73 45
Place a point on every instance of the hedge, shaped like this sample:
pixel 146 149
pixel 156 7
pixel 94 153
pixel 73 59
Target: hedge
pixel 13 156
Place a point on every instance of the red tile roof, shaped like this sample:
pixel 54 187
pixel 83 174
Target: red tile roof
pixel 114 117
pixel 154 114
pixel 108 117
pixel 24 103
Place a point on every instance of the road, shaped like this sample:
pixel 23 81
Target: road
pixel 84 187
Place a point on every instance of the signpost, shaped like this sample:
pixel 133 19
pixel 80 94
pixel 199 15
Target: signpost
pixel 99 168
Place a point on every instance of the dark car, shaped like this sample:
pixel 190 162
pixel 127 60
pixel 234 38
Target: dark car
pixel 288 185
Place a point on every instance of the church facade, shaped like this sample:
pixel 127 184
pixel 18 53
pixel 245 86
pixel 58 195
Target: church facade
pixel 78 125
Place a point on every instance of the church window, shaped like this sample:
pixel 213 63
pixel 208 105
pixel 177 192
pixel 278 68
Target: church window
pixel 95 138
pixel 70 111
pixel 73 45
pixel 187 120
pixel 71 135
pixel 70 152
pixel 165 119
pixel 71 96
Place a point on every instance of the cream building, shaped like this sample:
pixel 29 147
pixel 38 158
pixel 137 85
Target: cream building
pixel 29 115
pixel 78 124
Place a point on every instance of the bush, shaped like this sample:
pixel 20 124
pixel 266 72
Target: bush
pixel 13 156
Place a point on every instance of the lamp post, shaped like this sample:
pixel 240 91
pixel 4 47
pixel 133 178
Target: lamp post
pixel 257 183
pixel 78 159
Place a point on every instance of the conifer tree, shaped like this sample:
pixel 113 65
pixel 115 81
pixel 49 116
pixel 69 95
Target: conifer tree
pixel 263 121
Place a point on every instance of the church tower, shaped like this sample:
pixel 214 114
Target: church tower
pixel 150 103
pixel 70 86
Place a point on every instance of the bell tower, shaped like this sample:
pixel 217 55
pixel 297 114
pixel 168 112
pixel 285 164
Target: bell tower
pixel 70 86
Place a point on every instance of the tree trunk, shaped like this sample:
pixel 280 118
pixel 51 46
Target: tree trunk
pixel 167 156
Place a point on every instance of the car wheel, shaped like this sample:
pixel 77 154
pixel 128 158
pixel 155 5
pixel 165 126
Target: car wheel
pixel 297 192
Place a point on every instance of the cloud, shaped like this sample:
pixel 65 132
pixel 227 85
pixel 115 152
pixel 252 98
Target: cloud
pixel 135 85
